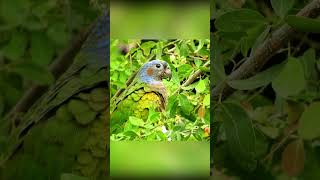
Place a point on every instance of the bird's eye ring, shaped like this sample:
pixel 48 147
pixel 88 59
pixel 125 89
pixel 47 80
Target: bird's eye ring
pixel 158 65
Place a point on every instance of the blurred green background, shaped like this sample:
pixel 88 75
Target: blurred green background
pixel 160 159
pixel 160 19
pixel 32 34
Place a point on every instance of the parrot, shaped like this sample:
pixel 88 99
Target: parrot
pixel 144 90
pixel 65 134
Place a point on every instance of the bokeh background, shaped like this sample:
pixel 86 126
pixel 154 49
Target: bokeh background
pixel 32 34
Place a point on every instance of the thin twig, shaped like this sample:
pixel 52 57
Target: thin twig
pixel 193 77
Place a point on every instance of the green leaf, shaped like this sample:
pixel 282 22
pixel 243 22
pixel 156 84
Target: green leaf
pixel 153 116
pixel 282 7
pixel 271 132
pixel 33 23
pixel 239 20
pixel 206 100
pixel 184 71
pixel 201 86
pixel 172 105
pixel 252 35
pixel 261 79
pixel 57 33
pixel 309 62
pixel 304 24
pixel 33 72
pixel 259 40
pixel 184 49
pixel 42 8
pixel 309 122
pixel 219 73
pixel 136 121
pixel 185 104
pixel 233 36
pixel 146 47
pixel 11 94
pixel 16 47
pixel 81 111
pixel 41 50
pixel 201 43
pixel 290 81
pixel 14 11
pixel 240 135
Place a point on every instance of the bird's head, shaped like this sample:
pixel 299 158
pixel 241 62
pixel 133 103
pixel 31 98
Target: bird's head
pixel 154 71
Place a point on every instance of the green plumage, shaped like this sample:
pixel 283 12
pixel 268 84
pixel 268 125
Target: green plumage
pixel 144 91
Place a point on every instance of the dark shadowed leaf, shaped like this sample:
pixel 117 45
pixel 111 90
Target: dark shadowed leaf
pixel 290 81
pixel 41 50
pixel 304 24
pixel 34 72
pixel 16 47
pixel 281 7
pixel 309 62
pixel 58 34
pixel 239 20
pixel 261 79
pixel 14 11
pixel 309 122
pixel 218 73
pixel 240 135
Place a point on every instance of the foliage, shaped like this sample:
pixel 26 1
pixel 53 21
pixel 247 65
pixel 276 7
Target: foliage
pixel 32 34
pixel 187 114
pixel 269 127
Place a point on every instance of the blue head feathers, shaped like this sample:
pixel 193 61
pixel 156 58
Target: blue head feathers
pixel 154 71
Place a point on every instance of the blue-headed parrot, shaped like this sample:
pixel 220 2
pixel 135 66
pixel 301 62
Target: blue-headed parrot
pixel 143 91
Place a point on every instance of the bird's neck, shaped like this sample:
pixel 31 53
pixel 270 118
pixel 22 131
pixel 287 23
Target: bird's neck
pixel 149 79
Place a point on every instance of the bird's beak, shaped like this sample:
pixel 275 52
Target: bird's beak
pixel 167 73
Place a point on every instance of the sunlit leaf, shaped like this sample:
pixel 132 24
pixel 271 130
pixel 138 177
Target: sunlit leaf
pixel 201 86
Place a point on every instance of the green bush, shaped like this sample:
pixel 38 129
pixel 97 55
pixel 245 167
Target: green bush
pixel 187 116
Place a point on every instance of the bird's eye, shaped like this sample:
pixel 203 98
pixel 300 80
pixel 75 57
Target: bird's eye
pixel 158 65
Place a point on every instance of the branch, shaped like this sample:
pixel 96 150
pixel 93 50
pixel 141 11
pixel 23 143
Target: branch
pixel 195 75
pixel 264 52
